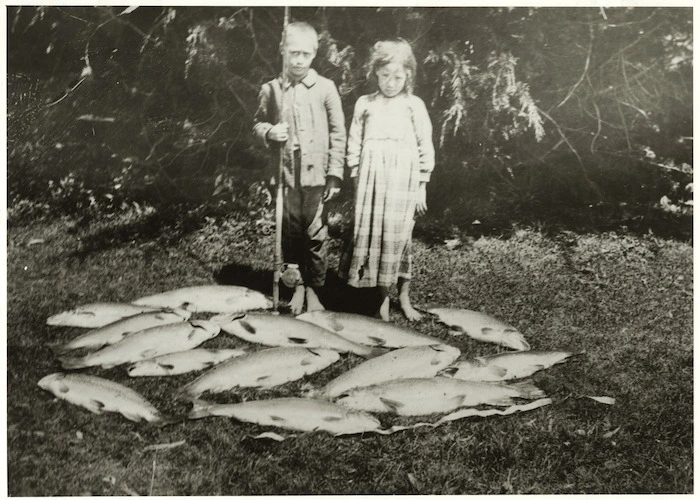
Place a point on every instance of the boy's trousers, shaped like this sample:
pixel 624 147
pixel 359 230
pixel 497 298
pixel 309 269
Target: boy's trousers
pixel 305 230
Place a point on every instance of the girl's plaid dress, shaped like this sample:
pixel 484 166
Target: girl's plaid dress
pixel 390 149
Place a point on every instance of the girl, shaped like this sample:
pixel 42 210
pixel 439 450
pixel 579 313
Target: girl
pixel 390 154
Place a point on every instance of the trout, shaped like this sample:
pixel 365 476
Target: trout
pixel 149 343
pixel 482 327
pixel 282 331
pixel 266 368
pixel 99 395
pixel 209 298
pixel 368 331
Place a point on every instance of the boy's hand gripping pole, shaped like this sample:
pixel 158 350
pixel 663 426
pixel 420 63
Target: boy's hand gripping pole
pixel 280 177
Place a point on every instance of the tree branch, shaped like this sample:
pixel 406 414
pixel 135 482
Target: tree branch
pixel 585 69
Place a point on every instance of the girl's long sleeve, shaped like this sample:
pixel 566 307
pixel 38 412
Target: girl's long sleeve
pixel 424 137
pixel 355 137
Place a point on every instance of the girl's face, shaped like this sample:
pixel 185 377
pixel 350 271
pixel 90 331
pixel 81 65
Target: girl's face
pixel 391 79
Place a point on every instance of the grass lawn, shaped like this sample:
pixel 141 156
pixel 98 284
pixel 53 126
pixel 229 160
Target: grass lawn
pixel 626 300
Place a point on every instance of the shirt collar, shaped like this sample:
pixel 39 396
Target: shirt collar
pixel 309 80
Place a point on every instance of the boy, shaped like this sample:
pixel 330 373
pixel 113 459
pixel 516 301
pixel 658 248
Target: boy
pixel 312 138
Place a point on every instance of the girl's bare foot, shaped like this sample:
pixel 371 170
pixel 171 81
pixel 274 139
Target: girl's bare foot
pixel 297 303
pixel 312 301
pixel 384 308
pixel 408 310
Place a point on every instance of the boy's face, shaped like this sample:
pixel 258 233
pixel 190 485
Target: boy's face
pixel 300 50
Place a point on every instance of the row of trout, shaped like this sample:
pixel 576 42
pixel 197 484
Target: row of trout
pixel 405 373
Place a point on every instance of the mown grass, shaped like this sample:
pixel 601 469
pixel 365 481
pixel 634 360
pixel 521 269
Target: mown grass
pixel 626 300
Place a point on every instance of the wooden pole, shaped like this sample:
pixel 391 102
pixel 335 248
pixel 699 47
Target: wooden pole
pixel 280 177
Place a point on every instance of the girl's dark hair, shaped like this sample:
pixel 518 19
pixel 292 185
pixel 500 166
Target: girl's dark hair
pixel 392 51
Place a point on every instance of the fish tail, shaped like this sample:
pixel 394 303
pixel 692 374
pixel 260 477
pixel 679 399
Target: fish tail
pixel 166 420
pixel 372 352
pixel 185 393
pixel 315 394
pixel 527 390
pixel 72 363
pixel 58 349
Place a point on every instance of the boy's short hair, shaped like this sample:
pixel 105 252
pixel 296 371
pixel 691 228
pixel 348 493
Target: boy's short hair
pixel 304 29
pixel 392 51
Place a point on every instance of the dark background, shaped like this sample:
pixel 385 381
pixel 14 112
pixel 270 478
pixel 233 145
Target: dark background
pixel 575 118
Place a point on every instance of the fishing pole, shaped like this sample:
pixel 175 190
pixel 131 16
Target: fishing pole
pixel 280 188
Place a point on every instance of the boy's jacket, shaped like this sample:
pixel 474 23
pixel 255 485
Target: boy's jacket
pixel 318 114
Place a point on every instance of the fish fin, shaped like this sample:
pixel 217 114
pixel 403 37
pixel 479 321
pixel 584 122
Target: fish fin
pixel 313 352
pixel 336 325
pixel 125 334
pixel 449 371
pixel 298 340
pixel 275 418
pixel 261 378
pixel 527 390
pixel 306 362
pixel 96 406
pixel 147 354
pixel 209 364
pixel 459 400
pixel 379 342
pixel 435 361
pixel 391 404
pixel 63 388
pixel 498 371
pixel 167 366
pixel 248 327
pixel 331 418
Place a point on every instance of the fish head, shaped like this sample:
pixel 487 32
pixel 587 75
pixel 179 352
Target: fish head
pixel 257 300
pixel 49 382
pixel 74 316
pixel 206 328
pixel 445 353
pixel 515 340
pixel 353 422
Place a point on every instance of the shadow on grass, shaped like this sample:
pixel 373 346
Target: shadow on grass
pixel 167 225
pixel 336 295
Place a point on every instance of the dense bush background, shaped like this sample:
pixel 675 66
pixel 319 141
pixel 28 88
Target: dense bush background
pixel 570 117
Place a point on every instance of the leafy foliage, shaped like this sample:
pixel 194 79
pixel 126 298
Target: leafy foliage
pixel 536 110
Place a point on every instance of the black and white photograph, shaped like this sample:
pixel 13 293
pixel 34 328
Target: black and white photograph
pixel 344 249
